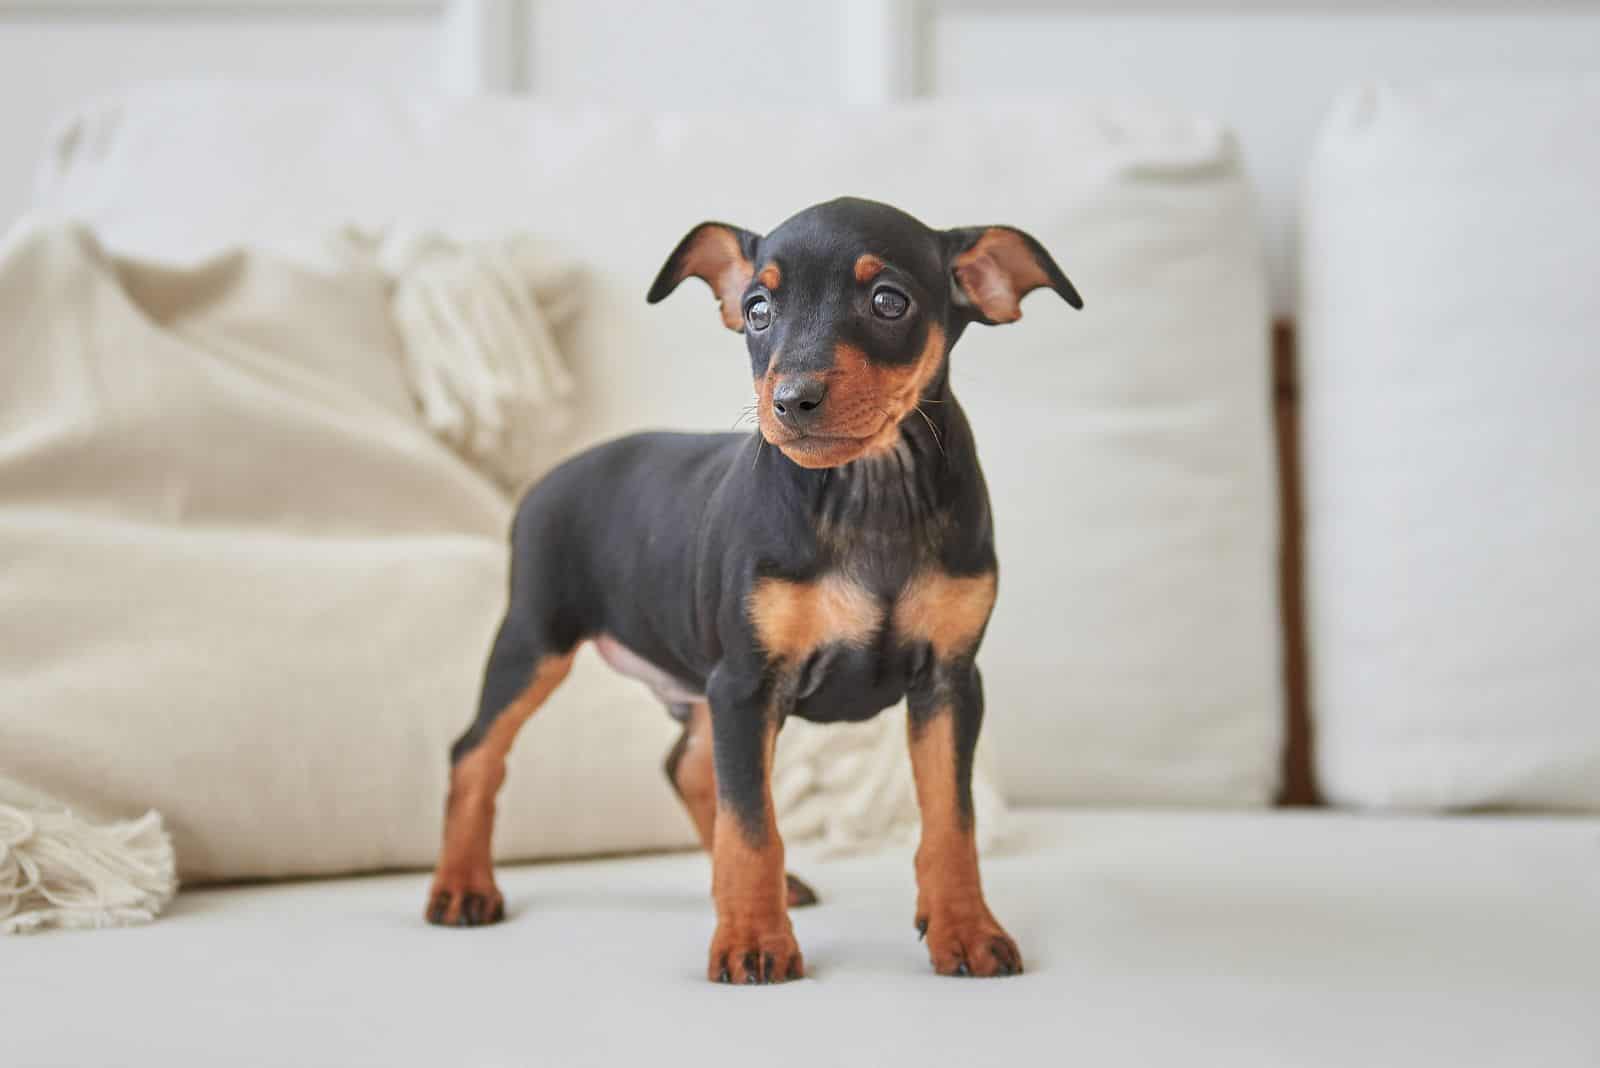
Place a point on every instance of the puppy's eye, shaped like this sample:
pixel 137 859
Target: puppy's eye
pixel 889 303
pixel 758 313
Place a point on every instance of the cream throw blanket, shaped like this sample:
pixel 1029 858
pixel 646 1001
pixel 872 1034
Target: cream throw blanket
pixel 252 512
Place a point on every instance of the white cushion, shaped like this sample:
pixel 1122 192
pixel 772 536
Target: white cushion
pixel 1267 939
pixel 1134 650
pixel 1451 371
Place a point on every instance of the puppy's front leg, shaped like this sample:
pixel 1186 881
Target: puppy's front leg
pixel 754 941
pixel 963 936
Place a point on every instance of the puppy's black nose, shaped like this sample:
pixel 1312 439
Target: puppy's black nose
pixel 797 400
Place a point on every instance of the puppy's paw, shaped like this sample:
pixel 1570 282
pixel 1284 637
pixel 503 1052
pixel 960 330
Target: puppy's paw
pixel 464 899
pixel 743 954
pixel 969 944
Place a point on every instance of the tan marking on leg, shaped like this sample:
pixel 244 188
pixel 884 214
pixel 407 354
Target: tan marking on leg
pixel 948 612
pixel 792 619
pixel 695 779
pixel 770 275
pixel 696 774
pixel 754 940
pixel 466 864
pixel 867 268
pixel 962 934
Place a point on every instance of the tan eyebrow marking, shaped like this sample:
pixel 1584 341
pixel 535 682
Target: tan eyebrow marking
pixel 770 276
pixel 868 267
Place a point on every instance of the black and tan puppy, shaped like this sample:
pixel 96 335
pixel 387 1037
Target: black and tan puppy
pixel 838 560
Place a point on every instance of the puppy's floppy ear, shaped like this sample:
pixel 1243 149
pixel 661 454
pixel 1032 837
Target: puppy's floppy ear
pixel 993 267
pixel 722 256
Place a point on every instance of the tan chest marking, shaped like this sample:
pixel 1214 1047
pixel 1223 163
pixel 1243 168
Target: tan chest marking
pixel 792 619
pixel 946 611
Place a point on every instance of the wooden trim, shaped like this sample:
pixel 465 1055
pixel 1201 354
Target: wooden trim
pixel 1299 787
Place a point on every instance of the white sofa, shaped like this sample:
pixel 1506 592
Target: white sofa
pixel 1138 662
pixel 1284 938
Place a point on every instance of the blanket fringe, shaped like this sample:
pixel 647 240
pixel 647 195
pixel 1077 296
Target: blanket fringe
pixel 57 870
pixel 477 320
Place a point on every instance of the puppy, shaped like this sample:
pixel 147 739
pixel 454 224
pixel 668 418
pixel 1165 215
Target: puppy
pixel 838 560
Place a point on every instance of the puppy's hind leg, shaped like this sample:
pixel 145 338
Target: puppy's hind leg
pixel 693 775
pixel 521 675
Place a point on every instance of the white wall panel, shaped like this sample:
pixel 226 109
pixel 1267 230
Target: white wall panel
pixel 49 61
pixel 694 54
pixel 1269 75
pixel 1267 67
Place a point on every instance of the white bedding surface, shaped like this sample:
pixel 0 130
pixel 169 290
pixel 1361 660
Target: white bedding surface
pixel 1151 938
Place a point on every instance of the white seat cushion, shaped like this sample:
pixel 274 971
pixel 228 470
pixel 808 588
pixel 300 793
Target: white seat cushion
pixel 1265 939
pixel 1451 380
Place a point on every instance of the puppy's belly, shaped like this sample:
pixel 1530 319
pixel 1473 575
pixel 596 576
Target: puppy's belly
pixel 671 690
pixel 838 684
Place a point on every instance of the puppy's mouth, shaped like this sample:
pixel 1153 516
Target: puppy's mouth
pixel 821 448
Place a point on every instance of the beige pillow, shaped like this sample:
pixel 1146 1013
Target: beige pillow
pixel 245 587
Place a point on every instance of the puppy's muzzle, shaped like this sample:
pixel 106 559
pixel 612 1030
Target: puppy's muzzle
pixel 797 401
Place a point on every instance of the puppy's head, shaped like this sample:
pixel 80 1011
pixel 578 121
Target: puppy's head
pixel 849 309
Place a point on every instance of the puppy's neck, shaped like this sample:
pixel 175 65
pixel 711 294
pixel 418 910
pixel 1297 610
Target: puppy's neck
pixel 891 502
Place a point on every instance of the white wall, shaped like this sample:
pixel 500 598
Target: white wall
pixel 1267 66
pixel 1268 69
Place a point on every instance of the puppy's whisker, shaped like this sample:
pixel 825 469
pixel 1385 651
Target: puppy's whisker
pixel 932 430
pixel 748 412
